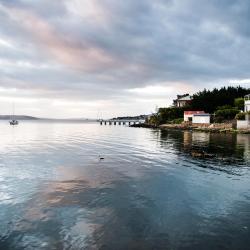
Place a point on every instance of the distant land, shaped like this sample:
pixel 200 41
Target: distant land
pixel 33 118
pixel 17 117
pixel 138 117
pixel 30 118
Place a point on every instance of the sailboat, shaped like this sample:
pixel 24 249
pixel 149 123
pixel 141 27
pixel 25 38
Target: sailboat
pixel 13 121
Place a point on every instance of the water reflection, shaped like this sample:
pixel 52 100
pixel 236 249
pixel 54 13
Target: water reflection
pixel 148 193
pixel 243 145
pixel 224 147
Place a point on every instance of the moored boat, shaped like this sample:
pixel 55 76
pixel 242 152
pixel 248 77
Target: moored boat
pixel 13 122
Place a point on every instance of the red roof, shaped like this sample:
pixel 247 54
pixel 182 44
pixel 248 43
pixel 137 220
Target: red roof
pixel 193 112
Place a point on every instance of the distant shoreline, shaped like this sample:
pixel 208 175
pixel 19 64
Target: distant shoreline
pixel 17 117
pixel 32 118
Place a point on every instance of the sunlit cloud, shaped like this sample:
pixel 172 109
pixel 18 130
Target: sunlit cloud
pixel 163 89
pixel 87 10
pixel 6 43
pixel 77 54
pixel 153 90
pixel 240 81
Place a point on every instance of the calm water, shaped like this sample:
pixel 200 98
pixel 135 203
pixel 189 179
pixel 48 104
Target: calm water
pixel 148 192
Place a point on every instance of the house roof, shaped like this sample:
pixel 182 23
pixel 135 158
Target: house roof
pixel 193 112
pixel 185 98
pixel 202 114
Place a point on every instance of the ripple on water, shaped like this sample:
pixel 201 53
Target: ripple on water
pixel 147 193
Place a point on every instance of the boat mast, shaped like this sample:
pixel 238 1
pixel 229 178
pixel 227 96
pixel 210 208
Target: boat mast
pixel 13 110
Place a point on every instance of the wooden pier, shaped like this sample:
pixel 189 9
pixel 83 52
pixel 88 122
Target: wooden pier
pixel 120 122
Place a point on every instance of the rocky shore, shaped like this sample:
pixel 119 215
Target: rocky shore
pixel 143 125
pixel 214 128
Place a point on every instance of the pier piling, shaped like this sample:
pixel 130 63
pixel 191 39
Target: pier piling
pixel 120 122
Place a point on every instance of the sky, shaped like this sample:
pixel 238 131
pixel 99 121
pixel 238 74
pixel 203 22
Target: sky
pixel 108 58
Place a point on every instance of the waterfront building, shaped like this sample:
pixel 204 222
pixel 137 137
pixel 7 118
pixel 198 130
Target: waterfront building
pixel 188 115
pixel 182 100
pixel 196 117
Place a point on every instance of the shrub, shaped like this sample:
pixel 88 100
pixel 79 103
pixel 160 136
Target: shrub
pixel 168 114
pixel 177 121
pixel 154 119
pixel 239 103
pixel 226 114
pixel 240 116
pixel 224 107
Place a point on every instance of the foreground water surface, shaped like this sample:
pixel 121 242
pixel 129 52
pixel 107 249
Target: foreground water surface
pixel 147 193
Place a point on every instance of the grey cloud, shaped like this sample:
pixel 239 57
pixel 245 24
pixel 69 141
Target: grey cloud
pixel 147 42
pixel 44 8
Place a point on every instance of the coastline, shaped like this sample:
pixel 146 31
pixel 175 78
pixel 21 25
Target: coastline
pixel 224 128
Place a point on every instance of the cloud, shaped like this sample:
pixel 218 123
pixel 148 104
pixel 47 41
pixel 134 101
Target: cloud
pixel 240 81
pixel 118 50
pixel 163 89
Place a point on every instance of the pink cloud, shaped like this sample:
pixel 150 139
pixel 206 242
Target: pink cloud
pixel 74 54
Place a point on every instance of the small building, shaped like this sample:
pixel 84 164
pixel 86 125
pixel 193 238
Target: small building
pixel 188 115
pixel 182 100
pixel 201 118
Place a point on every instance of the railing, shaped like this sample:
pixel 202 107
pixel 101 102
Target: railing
pixel 120 122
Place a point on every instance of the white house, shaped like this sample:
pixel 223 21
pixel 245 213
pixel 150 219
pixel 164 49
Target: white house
pixel 188 115
pixel 182 100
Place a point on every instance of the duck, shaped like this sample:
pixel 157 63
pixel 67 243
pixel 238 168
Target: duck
pixel 202 154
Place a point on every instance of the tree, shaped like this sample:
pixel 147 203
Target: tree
pixel 209 100
pixel 154 119
pixel 239 103
pixel 168 114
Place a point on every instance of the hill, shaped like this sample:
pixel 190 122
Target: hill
pixel 18 117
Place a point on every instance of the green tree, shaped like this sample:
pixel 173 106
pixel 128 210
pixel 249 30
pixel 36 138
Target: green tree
pixel 239 103
pixel 225 114
pixel 166 115
pixel 154 119
pixel 209 100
